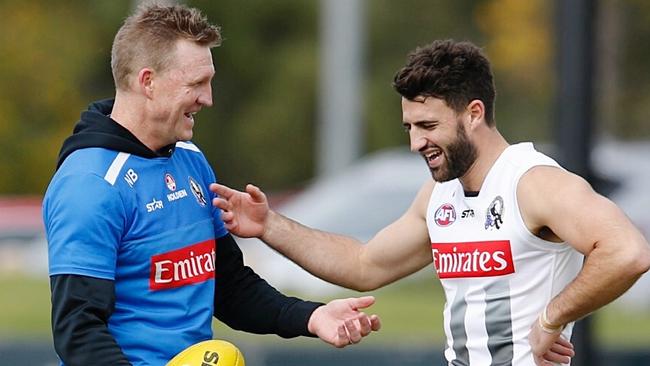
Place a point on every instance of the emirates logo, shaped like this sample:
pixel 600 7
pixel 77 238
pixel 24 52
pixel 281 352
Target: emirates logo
pixel 185 266
pixel 473 259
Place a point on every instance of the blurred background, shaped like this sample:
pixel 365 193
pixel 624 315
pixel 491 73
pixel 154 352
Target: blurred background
pixel 303 107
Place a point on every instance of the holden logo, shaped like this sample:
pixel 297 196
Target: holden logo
pixel 445 215
pixel 170 182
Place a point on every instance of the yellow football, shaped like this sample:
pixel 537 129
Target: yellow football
pixel 209 353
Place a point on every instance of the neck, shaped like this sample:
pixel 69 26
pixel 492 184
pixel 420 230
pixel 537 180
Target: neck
pixel 490 146
pixel 128 112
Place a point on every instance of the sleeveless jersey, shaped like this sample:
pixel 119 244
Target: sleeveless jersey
pixel 149 226
pixel 497 276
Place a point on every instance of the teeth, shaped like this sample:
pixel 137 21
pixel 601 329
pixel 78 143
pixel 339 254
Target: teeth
pixel 432 155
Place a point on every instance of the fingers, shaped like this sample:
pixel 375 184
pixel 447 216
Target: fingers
pixel 554 357
pixel 362 302
pixel 256 194
pixel 365 326
pixel 561 351
pixel 222 190
pixel 564 342
pixel 221 203
pixel 375 323
pixel 354 331
pixel 360 327
pixel 342 338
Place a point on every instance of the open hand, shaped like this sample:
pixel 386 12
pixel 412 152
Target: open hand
pixel 340 323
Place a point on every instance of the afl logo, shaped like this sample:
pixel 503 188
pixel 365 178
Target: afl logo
pixel 170 182
pixel 445 215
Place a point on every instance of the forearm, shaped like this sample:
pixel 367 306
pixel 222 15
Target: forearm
pixel 80 310
pixel 334 258
pixel 607 273
pixel 246 302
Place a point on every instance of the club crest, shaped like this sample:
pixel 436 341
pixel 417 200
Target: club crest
pixel 494 214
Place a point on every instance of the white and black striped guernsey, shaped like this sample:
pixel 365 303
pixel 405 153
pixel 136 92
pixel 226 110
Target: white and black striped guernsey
pixel 497 276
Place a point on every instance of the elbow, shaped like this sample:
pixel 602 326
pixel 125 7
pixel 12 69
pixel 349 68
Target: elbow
pixel 643 261
pixel 638 262
pixel 367 282
pixel 365 286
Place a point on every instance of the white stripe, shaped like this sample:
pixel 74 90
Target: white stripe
pixel 116 166
pixel 187 146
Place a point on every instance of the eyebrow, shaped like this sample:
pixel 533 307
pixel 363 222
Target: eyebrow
pixel 420 122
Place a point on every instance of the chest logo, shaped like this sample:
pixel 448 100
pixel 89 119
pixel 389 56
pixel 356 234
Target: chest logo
pixel 198 192
pixel 445 215
pixel 154 205
pixel 185 266
pixel 467 214
pixel 473 259
pixel 131 177
pixel 494 214
pixel 170 182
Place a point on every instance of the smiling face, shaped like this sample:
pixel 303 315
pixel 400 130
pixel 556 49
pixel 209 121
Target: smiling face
pixel 438 134
pixel 180 91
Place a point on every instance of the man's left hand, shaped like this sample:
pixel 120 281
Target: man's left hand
pixel 549 348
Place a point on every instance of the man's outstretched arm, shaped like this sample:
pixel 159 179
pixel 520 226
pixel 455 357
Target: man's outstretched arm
pixel 244 301
pixel 395 252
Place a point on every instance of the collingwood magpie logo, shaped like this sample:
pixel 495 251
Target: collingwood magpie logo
pixel 494 214
pixel 198 192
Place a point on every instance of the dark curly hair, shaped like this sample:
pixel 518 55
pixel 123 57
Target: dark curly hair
pixel 456 72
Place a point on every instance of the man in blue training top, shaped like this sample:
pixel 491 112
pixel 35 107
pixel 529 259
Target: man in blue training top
pixel 139 259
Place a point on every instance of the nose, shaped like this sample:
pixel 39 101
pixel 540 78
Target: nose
pixel 418 141
pixel 205 96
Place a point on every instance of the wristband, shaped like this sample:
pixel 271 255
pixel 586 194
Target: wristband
pixel 546 326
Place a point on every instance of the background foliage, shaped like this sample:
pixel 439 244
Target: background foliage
pixel 55 60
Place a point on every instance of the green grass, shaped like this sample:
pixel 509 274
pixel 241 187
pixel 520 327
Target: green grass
pixel 411 314
pixel 622 327
pixel 24 307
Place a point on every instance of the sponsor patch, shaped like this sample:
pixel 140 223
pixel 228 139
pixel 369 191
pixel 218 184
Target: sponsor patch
pixel 473 259
pixel 154 205
pixel 192 264
pixel 445 215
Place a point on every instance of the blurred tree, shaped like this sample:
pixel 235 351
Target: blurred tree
pixel 520 46
pixel 48 53
pixel 56 59
pixel 396 28
pixel 262 124
pixel 633 98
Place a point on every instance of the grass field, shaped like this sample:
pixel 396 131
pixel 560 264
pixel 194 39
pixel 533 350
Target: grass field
pixel 411 315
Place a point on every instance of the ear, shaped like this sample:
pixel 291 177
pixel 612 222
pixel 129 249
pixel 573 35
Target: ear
pixel 476 110
pixel 145 82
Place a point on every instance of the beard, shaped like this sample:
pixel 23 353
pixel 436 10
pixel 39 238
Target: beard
pixel 460 155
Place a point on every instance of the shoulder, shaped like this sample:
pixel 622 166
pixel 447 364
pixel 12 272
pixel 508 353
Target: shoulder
pixel 544 192
pixel 421 201
pixel 85 185
pixel 523 157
